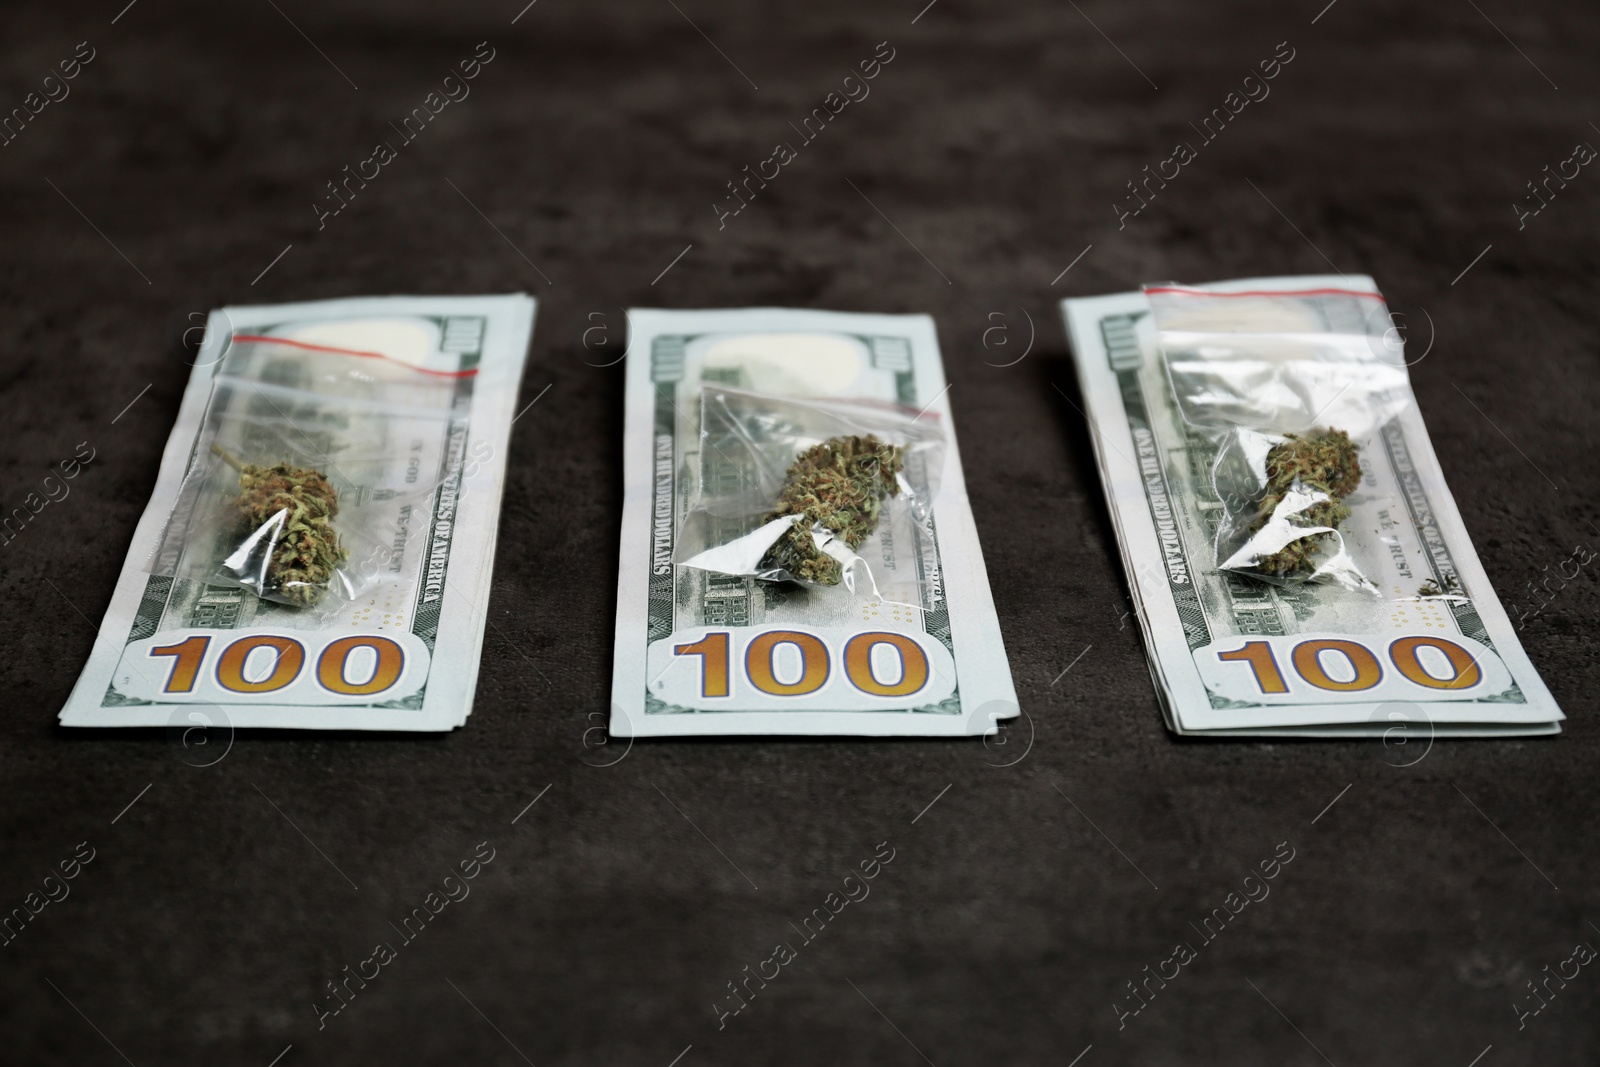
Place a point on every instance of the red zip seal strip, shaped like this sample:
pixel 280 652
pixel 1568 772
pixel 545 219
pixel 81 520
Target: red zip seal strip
pixel 353 352
pixel 1265 292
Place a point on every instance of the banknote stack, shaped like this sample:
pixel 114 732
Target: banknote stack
pixel 317 550
pixel 730 620
pixel 1381 623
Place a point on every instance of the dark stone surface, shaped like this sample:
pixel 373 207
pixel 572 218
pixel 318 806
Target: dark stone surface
pixel 1396 142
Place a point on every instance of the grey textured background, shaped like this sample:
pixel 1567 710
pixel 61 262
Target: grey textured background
pixel 997 140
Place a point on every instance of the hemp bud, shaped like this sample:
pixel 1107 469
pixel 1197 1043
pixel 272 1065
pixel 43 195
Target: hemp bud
pixel 1325 462
pixel 297 505
pixel 839 486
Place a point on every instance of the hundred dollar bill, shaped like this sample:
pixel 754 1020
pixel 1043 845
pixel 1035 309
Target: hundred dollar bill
pixel 406 404
pixel 915 651
pixel 1426 649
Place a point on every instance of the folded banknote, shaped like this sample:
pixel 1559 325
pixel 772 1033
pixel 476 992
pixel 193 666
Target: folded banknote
pixel 1367 612
pixel 798 552
pixel 317 550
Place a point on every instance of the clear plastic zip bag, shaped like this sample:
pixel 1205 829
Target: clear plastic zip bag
pixel 821 492
pixel 1291 385
pixel 306 456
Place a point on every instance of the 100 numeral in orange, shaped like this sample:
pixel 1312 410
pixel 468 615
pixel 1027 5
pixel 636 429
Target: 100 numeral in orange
pixel 288 660
pixel 1307 658
pixel 715 651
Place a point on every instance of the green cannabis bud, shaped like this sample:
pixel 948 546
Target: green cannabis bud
pixel 839 485
pixel 300 503
pixel 1323 461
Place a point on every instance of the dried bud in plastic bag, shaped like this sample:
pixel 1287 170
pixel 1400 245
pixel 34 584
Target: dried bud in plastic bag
pixel 298 505
pixel 838 486
pixel 1324 462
